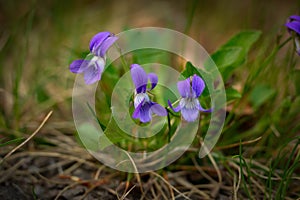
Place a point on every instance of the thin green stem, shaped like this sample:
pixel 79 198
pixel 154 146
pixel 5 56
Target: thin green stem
pixel 284 43
pixel 174 103
pixel 124 63
pixel 291 63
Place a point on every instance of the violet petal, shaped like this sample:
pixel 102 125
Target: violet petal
pixel 101 50
pixel 139 78
pixel 184 88
pixel 153 79
pixel 98 40
pixel 189 115
pixel 199 107
pixel 198 85
pixel 145 114
pixel 294 26
pixel 177 109
pixel 93 73
pixel 78 66
pixel 136 112
pixel 294 17
pixel 158 109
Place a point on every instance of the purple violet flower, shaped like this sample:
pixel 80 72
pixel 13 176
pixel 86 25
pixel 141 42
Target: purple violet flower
pixel 189 104
pixel 293 26
pixel 144 107
pixel 93 68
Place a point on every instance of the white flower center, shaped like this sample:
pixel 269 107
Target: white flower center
pixel 189 103
pixel 96 62
pixel 139 98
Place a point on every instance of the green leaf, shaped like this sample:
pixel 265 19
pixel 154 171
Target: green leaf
pixel 95 140
pixel 244 39
pixel 43 141
pixel 89 136
pixel 115 134
pixel 226 57
pixel 233 53
pixel 260 94
pixel 226 60
pixel 232 94
pixel 190 70
pixel 11 142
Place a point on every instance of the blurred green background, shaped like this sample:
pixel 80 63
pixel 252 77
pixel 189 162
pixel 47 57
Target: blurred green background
pixel 39 39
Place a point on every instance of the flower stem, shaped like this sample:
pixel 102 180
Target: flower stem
pixel 291 59
pixel 124 63
pixel 174 103
pixel 169 125
pixel 284 43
